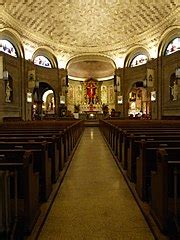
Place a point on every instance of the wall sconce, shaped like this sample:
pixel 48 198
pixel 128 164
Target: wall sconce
pixel 153 96
pixel 120 100
pixel 29 97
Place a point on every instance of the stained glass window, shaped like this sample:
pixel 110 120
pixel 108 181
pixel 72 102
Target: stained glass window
pixel 139 60
pixel 7 47
pixel 173 46
pixel 42 61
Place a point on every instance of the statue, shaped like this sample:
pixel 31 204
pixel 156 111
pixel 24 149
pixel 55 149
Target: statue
pixel 51 104
pixel 174 90
pixel 8 92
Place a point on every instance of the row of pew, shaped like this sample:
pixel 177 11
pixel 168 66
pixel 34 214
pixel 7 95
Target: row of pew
pixel 148 152
pixel 33 155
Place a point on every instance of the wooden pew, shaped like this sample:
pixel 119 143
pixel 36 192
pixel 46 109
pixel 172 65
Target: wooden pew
pixel 146 162
pixel 165 192
pixel 66 136
pixel 5 207
pixel 129 136
pixel 70 131
pixel 21 194
pixel 133 150
pixel 116 133
pixel 42 163
pixel 54 149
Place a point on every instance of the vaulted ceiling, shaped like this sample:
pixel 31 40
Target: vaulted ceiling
pixel 74 27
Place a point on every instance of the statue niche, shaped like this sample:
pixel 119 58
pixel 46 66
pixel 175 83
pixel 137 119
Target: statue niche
pixel 91 89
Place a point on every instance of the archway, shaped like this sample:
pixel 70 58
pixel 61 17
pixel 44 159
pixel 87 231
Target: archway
pixel 139 101
pixel 88 75
pixel 43 101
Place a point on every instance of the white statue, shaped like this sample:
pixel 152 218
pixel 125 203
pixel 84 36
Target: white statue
pixel 8 92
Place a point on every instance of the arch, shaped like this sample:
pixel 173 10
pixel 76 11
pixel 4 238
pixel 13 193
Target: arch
pixel 138 101
pixel 88 66
pixel 43 108
pixel 13 37
pixel 166 38
pixel 133 53
pixel 87 57
pixel 47 53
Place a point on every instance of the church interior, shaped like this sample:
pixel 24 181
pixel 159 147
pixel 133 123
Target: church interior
pixel 98 76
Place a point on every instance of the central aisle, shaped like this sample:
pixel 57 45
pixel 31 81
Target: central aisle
pixel 94 202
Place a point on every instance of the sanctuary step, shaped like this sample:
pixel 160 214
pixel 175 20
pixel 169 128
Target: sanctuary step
pixel 91 123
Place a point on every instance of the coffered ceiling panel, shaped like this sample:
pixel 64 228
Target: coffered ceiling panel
pixel 90 23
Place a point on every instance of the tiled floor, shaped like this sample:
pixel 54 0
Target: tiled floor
pixel 94 202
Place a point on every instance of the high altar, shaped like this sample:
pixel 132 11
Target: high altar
pixel 91 107
pixel 90 96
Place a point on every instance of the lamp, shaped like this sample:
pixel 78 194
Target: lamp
pixel 29 97
pixel 153 96
pixel 120 99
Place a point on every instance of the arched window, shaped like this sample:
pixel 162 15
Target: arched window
pixel 173 46
pixel 7 47
pixel 138 60
pixel 42 61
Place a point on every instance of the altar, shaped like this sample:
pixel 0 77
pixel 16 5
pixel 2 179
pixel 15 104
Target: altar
pixel 92 114
pixel 90 98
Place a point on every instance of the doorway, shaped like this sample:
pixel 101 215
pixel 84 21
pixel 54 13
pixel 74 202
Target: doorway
pixel 139 101
pixel 43 101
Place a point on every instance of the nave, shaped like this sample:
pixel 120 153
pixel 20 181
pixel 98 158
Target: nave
pixel 94 201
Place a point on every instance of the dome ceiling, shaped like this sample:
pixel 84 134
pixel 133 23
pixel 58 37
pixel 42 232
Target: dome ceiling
pixel 90 23
pixel 91 69
pixel 83 27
